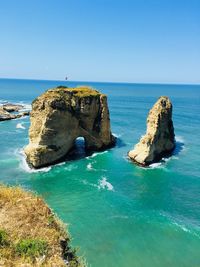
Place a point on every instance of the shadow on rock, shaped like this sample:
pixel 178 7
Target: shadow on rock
pixel 119 143
pixel 178 148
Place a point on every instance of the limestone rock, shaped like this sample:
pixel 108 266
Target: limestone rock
pixel 11 111
pixel 159 139
pixel 4 115
pixel 61 115
pixel 9 107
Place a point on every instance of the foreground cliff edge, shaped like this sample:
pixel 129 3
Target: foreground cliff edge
pixel 159 139
pixel 61 115
pixel 30 234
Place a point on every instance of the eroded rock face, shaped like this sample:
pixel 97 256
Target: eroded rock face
pixel 59 116
pixel 159 139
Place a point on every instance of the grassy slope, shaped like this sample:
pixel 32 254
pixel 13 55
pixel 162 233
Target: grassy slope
pixel 30 234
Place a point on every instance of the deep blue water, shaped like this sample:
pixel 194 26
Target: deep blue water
pixel 120 215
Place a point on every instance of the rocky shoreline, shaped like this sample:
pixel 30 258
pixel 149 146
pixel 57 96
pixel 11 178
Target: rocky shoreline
pixel 11 111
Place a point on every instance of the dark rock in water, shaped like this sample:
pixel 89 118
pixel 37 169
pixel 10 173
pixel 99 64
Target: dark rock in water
pixel 25 113
pixel 159 140
pixel 61 115
pixel 4 115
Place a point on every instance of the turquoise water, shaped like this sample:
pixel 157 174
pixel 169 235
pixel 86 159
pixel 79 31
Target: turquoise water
pixel 120 215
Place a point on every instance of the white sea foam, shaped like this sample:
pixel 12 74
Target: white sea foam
pixel 175 157
pixel 97 154
pixel 104 184
pixel 70 167
pixel 156 165
pixel 2 101
pixel 89 167
pixel 87 183
pixel 162 163
pixel 24 166
pixel 26 106
pixel 179 139
pixel 117 135
pixel 60 164
pixel 182 227
pixel 20 126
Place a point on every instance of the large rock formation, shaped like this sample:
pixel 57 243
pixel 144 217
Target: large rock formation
pixel 159 139
pixel 62 114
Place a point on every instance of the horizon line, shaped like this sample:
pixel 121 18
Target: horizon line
pixel 119 82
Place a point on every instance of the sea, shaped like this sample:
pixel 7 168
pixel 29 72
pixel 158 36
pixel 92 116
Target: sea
pixel 118 214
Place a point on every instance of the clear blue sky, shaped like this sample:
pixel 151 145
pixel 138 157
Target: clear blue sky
pixel 101 40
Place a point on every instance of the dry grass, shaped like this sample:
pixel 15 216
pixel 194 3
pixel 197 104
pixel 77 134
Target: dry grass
pixel 25 218
pixel 65 93
pixel 81 91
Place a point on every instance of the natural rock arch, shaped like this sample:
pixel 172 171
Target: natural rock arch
pixel 59 116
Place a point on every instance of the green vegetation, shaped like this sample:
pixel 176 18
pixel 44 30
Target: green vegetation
pixel 3 238
pixel 30 233
pixel 61 87
pixel 31 248
pixel 82 91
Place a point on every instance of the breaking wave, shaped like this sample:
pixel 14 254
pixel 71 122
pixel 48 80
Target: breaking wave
pixel 156 165
pixel 179 139
pixel 97 154
pixel 89 167
pixel 104 184
pixel 20 126
pixel 117 135
pixel 25 167
pixel 178 149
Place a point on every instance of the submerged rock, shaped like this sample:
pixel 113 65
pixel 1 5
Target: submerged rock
pixel 61 115
pixel 159 139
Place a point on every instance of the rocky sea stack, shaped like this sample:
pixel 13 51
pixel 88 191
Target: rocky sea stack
pixel 159 139
pixel 61 115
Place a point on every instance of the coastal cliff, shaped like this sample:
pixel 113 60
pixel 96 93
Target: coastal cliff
pixel 61 115
pixel 30 233
pixel 159 139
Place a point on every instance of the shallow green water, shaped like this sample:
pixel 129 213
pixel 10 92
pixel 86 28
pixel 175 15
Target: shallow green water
pixel 119 214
